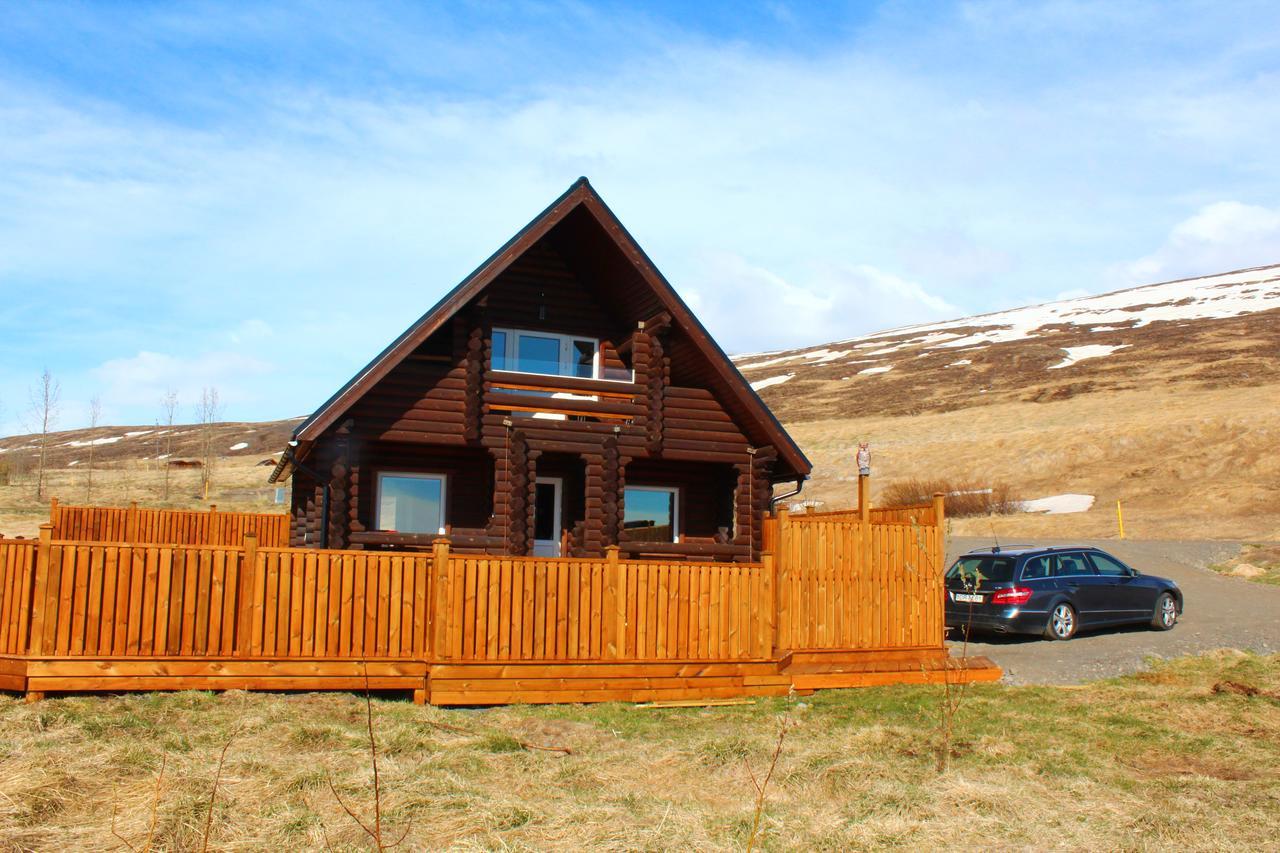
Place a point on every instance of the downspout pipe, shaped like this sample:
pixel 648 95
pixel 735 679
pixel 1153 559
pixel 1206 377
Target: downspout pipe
pixel 791 494
pixel 326 485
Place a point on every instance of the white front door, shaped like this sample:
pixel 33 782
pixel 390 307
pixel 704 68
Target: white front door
pixel 546 517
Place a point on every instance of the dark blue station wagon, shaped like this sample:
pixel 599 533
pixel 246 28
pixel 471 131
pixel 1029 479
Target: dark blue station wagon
pixel 1054 592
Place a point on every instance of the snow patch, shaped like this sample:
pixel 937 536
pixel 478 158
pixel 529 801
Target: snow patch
pixel 94 442
pixel 1077 354
pixel 138 432
pixel 1059 504
pixel 771 381
pixel 239 445
pixel 816 356
pixel 871 370
pixel 961 363
pixel 73 462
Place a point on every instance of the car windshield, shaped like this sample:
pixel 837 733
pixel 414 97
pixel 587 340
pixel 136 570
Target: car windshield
pixel 982 570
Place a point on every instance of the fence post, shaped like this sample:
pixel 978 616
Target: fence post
pixel 131 522
pixel 784 548
pixel 438 611
pixel 612 614
pixel 213 536
pixel 38 603
pixel 53 511
pixel 248 570
pixel 940 555
pixel 768 612
pixel 864 497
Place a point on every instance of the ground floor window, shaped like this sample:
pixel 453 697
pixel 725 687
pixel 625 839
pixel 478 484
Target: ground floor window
pixel 411 503
pixel 652 513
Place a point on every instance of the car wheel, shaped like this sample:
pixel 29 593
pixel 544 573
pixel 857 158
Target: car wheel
pixel 1062 622
pixel 1166 615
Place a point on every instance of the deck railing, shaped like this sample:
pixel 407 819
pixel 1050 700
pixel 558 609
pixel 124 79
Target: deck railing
pixel 166 526
pixel 129 615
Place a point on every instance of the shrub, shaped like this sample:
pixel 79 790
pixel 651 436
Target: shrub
pixel 963 497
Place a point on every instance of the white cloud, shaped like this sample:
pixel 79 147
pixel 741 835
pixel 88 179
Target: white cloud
pixel 141 380
pixel 1222 236
pixel 751 309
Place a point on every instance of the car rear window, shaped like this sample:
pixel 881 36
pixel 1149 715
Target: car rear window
pixel 982 570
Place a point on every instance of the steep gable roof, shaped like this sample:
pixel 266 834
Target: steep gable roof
pixel 580 195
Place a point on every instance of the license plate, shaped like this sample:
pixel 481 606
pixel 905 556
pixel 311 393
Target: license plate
pixel 966 598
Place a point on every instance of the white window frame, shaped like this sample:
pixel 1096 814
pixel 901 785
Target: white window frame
pixel 412 475
pixel 566 362
pixel 675 504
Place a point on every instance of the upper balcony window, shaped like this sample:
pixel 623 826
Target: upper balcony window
pixel 546 353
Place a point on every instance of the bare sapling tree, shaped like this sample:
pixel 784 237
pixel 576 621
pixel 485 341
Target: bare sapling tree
pixel 762 785
pixel 95 418
pixel 375 831
pixel 208 412
pixel 169 405
pixel 45 398
pixel 954 680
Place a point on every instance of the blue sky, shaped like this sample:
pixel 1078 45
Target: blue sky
pixel 260 196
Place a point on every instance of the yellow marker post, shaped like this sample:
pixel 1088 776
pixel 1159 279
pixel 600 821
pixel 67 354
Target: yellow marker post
pixel 1120 518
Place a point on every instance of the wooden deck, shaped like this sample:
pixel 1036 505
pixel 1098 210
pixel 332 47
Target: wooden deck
pixel 841 604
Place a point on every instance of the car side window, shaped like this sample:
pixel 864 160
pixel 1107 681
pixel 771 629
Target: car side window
pixel 1107 566
pixel 1035 568
pixel 1073 564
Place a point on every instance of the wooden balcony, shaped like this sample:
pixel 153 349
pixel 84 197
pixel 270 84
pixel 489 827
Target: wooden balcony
pixel 562 395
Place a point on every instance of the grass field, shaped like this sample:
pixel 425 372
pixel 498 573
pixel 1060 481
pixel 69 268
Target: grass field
pixel 1156 760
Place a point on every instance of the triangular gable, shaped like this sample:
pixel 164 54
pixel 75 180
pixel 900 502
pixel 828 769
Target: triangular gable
pixel 579 194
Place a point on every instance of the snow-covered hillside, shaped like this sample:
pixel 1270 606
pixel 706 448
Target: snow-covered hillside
pixel 1214 331
pixel 1211 297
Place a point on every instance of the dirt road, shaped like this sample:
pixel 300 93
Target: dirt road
pixel 1221 612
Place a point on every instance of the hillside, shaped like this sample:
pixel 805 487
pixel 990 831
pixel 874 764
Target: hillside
pixel 1166 397
pixel 130 464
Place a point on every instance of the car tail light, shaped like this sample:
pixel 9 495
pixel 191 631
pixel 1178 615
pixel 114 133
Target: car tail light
pixel 1013 595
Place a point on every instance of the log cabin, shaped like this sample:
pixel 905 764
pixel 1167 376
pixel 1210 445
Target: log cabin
pixel 561 399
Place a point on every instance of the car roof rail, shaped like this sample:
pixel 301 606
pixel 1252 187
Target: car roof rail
pixel 997 549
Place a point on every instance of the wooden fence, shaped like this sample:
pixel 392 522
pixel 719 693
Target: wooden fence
pixel 853 586
pixel 921 514
pixel 166 526
pixel 107 615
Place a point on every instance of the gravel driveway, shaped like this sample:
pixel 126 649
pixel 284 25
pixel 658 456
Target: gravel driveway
pixel 1221 612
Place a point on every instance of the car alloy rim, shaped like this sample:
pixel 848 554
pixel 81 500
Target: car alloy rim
pixel 1062 620
pixel 1168 611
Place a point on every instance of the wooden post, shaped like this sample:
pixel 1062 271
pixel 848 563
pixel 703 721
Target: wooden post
pixel 783 549
pixel 248 571
pixel 53 511
pixel 864 498
pixel 211 535
pixel 131 522
pixel 769 609
pixel 38 603
pixel 612 614
pixel 438 610
pixel 940 563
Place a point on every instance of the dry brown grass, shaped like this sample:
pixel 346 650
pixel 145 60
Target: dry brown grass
pixel 1186 463
pixel 963 499
pixel 1152 761
pixel 239 484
